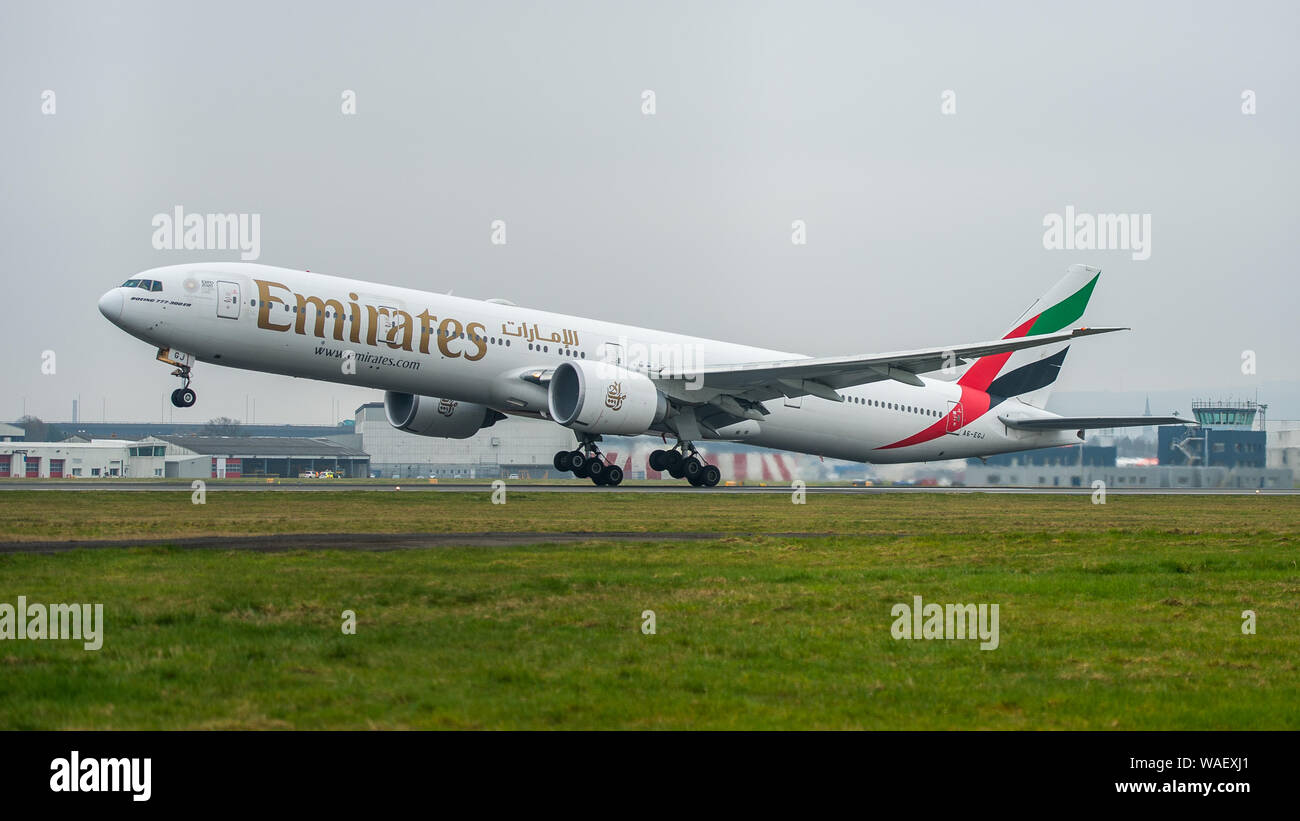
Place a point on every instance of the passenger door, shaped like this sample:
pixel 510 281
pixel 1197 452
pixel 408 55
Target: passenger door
pixel 228 300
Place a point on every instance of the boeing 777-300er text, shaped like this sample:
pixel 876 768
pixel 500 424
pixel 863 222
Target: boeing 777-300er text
pixel 451 366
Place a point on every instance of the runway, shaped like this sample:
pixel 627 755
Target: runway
pixel 218 486
pixel 280 542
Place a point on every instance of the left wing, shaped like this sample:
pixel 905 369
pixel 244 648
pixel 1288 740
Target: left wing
pixel 822 376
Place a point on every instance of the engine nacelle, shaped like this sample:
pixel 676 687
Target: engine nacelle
pixel 429 416
pixel 598 397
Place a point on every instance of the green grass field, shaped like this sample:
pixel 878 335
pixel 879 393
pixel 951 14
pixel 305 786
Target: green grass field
pixel 1125 615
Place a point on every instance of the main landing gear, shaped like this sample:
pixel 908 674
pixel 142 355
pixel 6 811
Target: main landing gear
pixel 683 461
pixel 184 396
pixel 587 462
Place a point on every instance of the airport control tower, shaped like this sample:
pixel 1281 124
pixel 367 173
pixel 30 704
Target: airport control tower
pixel 1227 437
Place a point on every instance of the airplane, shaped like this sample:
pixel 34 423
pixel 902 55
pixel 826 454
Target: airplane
pixel 451 366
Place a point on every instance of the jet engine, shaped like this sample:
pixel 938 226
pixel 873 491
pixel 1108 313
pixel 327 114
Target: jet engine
pixel 599 397
pixel 430 416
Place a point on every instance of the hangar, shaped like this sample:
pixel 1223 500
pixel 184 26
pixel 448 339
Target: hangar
pixel 188 457
pixel 57 460
pixel 230 457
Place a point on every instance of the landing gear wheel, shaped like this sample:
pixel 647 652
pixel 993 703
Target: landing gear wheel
pixel 673 462
pixel 182 397
pixel 613 476
pixel 578 462
pixel 562 461
pixel 710 476
pixel 656 460
pixel 597 471
pixel 691 469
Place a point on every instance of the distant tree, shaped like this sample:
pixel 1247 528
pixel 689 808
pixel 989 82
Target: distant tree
pixel 34 430
pixel 222 426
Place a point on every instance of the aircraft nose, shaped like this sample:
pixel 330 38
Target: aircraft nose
pixel 110 305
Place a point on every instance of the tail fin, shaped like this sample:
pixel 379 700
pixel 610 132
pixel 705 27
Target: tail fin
pixel 1029 374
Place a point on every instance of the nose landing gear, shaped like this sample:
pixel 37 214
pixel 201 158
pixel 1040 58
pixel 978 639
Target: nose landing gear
pixel 683 461
pixel 184 396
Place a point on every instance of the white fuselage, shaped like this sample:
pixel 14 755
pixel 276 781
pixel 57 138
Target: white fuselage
pixel 268 319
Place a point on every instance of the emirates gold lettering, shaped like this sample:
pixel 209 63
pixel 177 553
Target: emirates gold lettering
pixel 384 325
pixel 426 329
pixel 448 329
pixel 264 303
pixel 614 396
pixel 399 333
pixel 321 306
pixel 373 325
pixel 476 332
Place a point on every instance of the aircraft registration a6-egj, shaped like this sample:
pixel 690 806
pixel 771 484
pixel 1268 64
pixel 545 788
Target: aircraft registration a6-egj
pixel 451 366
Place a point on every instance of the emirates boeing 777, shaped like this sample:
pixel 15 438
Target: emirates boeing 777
pixel 451 366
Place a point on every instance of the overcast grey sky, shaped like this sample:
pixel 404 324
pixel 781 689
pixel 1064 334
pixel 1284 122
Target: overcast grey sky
pixel 923 228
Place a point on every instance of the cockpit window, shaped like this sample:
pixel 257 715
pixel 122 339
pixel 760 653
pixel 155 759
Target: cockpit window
pixel 145 284
pixel 155 286
pixel 130 283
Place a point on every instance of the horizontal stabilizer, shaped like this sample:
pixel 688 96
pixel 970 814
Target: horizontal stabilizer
pixel 1090 422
